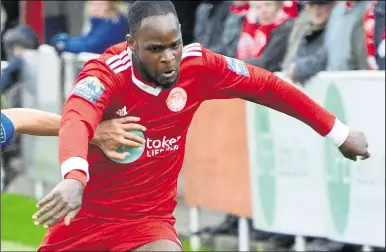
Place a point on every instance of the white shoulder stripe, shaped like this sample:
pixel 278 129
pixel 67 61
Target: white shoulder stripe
pixel 122 67
pixel 193 48
pixel 112 59
pixel 192 45
pixel 116 57
pixel 119 63
pixel 191 54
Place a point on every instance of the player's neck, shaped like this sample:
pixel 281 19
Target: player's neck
pixel 141 72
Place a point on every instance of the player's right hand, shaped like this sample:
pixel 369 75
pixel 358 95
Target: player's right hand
pixel 64 201
pixel 355 146
pixel 112 134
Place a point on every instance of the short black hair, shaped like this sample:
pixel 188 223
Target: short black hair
pixel 140 10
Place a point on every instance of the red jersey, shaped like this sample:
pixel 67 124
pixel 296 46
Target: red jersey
pixel 291 8
pixel 109 87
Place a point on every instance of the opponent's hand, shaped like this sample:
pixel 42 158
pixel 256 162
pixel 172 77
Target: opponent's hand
pixel 355 146
pixel 64 201
pixel 112 134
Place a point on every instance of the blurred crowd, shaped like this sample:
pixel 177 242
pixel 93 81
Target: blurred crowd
pixel 298 38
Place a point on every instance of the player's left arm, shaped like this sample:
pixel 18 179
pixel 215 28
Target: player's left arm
pixel 232 78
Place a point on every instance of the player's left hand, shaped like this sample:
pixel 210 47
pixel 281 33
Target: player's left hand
pixel 64 201
pixel 112 134
pixel 355 146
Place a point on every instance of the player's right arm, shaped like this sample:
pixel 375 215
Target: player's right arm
pixel 81 115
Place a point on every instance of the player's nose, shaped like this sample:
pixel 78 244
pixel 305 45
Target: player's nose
pixel 168 56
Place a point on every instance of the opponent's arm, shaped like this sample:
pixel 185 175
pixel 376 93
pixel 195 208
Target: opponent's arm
pixel 33 122
pixel 231 78
pixel 109 135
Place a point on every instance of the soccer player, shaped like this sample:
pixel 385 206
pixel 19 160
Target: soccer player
pixel 129 206
pixel 109 136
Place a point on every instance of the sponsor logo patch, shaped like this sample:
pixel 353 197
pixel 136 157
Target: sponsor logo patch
pixel 90 88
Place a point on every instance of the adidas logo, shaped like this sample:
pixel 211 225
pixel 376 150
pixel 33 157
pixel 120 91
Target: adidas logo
pixel 122 112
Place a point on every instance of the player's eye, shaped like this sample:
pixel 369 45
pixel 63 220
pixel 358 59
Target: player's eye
pixel 155 49
pixel 176 44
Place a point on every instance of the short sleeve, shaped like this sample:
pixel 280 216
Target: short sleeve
pixel 7 130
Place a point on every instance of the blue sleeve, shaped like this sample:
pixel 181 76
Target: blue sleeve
pixel 96 42
pixel 7 130
pixel 102 37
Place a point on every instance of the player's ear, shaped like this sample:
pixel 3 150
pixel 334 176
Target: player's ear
pixel 130 42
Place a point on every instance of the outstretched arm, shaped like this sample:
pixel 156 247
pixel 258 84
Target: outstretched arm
pixel 33 121
pixel 232 78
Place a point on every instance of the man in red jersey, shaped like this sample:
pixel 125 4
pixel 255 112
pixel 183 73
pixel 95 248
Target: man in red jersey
pixel 108 206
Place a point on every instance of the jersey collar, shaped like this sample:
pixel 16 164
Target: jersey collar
pixel 145 86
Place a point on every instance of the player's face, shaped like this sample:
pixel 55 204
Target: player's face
pixel 157 48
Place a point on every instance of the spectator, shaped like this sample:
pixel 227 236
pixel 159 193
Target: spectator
pixel 345 38
pixel 209 26
pixel 264 35
pixel 344 45
pixel 15 41
pixel 108 26
pixel 301 24
pixel 379 33
pixel 232 24
pixel 310 39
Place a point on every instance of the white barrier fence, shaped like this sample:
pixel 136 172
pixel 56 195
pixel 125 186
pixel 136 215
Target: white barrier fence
pixel 300 184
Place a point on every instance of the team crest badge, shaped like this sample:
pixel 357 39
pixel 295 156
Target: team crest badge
pixel 176 100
